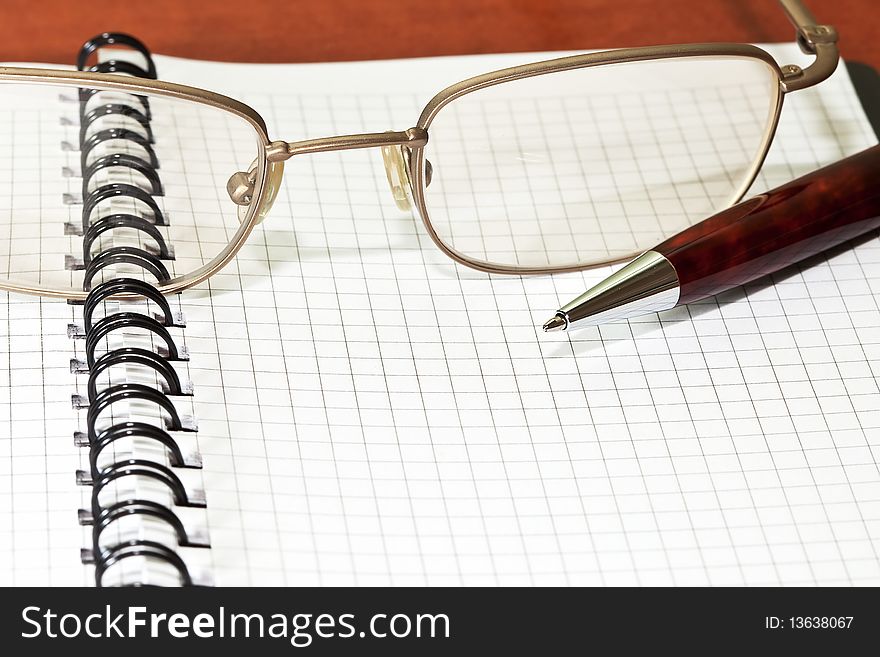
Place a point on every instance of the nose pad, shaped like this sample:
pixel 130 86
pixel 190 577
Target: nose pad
pixel 242 185
pixel 429 172
pixel 273 184
pixel 397 172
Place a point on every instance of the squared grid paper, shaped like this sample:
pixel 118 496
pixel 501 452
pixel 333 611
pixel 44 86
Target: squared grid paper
pixel 349 442
pixel 39 535
pixel 538 173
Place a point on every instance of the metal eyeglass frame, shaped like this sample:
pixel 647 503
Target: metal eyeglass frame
pixel 255 190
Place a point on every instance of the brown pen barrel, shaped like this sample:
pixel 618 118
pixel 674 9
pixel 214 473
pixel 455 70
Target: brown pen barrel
pixel 779 228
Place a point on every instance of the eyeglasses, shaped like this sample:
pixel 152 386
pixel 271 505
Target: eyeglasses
pixel 553 166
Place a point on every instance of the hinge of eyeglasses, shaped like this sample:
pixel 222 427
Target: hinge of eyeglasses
pixel 809 36
pixel 817 40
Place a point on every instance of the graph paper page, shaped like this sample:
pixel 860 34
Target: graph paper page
pixel 39 535
pixel 372 413
pixel 40 538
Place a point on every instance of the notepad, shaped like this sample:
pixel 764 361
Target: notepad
pixel 370 412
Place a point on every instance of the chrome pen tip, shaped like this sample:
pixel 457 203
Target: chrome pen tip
pixel 555 323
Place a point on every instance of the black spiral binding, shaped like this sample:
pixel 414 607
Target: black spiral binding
pixel 152 259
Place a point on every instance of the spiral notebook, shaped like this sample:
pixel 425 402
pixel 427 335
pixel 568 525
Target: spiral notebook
pixel 290 429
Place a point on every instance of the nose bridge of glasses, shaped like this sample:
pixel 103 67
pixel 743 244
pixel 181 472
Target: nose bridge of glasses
pixel 396 148
pixel 411 137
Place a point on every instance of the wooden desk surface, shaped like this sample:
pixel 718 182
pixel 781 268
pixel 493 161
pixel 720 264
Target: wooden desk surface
pixel 317 30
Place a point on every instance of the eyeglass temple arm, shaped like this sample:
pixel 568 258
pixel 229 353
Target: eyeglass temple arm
pixel 813 39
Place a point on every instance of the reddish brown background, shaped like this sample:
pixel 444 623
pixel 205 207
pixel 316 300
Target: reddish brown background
pixel 315 30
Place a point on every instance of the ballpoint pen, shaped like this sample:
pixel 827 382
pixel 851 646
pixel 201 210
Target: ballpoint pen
pixel 749 240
